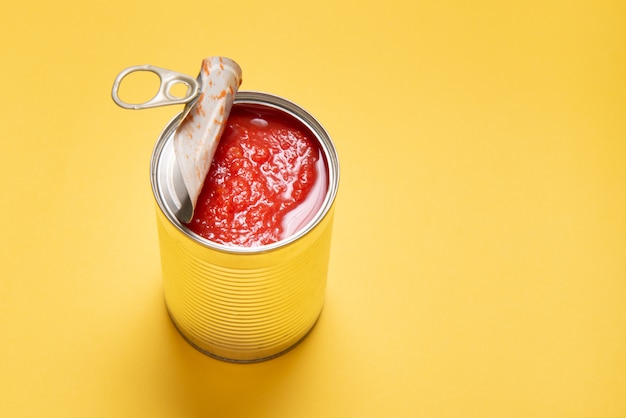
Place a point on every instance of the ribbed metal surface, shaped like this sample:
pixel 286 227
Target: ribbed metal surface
pixel 244 314
pixel 244 304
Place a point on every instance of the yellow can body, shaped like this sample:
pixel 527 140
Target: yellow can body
pixel 244 304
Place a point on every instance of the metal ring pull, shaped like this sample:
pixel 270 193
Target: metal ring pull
pixel 163 97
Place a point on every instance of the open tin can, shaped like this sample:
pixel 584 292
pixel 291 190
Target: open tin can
pixel 244 304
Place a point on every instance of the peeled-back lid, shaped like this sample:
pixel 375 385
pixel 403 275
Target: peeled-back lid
pixel 196 138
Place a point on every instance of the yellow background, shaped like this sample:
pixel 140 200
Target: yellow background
pixel 478 266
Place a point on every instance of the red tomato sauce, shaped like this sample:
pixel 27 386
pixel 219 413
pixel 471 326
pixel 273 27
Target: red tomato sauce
pixel 267 179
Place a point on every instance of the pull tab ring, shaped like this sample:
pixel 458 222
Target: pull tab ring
pixel 163 97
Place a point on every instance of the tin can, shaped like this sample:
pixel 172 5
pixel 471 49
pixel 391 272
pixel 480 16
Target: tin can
pixel 244 304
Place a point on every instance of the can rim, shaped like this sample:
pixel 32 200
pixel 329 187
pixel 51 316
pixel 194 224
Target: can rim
pixel 283 105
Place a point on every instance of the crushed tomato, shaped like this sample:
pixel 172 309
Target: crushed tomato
pixel 264 167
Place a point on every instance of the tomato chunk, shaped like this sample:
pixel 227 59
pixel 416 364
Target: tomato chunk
pixel 265 165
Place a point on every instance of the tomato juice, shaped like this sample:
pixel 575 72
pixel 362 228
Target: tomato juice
pixel 267 180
